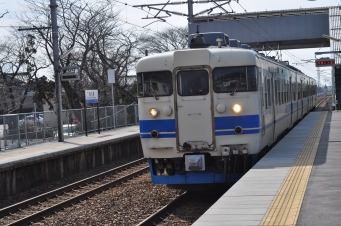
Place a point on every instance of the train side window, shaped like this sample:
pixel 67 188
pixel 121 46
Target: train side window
pixel 276 92
pixel 286 92
pixel 265 94
pixel 290 90
pixel 269 92
pixel 192 83
pixel 279 92
pixel 151 84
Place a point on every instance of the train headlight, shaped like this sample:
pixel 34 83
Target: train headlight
pixel 237 108
pixel 153 112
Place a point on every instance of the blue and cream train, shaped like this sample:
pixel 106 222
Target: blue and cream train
pixel 208 111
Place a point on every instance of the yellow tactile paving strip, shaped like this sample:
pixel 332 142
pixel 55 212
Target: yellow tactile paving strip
pixel 286 206
pixel 56 145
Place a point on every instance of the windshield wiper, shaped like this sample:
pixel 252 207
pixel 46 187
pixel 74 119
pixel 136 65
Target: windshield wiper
pixel 235 89
pixel 154 93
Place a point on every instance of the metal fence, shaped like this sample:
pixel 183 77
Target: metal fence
pixel 18 130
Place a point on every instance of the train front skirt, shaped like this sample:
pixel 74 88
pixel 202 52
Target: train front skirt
pixel 199 177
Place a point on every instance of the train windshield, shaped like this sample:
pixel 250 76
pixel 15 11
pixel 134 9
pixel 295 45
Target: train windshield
pixel 193 83
pixel 235 79
pixel 154 84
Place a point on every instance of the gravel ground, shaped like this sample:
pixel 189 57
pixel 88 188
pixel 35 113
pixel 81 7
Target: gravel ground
pixel 127 204
pixel 49 186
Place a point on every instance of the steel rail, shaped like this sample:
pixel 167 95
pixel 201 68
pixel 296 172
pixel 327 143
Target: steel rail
pixel 157 216
pixel 55 193
pixel 53 209
pixel 320 101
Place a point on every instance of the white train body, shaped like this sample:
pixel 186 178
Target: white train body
pixel 196 132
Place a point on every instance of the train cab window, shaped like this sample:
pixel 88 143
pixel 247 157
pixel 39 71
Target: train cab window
pixel 235 79
pixel 192 83
pixel 154 84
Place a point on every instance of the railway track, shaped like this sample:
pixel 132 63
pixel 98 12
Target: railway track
pixel 326 99
pixel 39 207
pixel 185 209
pixel 162 213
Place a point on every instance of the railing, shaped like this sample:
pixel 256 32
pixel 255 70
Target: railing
pixel 18 130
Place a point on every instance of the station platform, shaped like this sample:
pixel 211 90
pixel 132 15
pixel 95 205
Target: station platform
pixel 29 166
pixel 51 148
pixel 296 183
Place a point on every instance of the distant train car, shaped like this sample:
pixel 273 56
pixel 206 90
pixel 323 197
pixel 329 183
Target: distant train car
pixel 207 112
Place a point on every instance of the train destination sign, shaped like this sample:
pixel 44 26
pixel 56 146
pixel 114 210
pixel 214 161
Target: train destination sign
pixel 324 62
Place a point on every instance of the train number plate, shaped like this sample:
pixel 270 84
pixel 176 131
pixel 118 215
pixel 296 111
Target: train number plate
pixel 195 162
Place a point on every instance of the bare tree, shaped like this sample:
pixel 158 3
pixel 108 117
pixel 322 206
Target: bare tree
pixel 18 70
pixel 93 30
pixel 3 14
pixel 167 40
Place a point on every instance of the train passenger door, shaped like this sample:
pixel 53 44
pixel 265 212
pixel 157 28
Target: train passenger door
pixel 262 94
pixel 194 116
pixel 301 95
pixel 297 90
pixel 290 98
pixel 272 95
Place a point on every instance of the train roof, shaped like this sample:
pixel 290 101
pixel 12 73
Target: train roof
pixel 192 57
pixel 204 56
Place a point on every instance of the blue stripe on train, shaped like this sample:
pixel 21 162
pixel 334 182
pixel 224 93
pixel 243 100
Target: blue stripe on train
pixel 161 125
pixel 230 122
pixel 250 124
pixel 249 131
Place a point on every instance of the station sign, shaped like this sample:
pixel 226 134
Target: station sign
pixel 324 62
pixel 91 96
pixel 71 73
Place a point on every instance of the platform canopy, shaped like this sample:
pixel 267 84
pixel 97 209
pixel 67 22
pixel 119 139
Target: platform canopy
pixel 272 30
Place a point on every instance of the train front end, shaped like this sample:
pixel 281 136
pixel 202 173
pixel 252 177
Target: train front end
pixel 199 115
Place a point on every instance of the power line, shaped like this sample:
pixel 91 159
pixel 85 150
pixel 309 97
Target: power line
pixel 189 15
pixel 148 13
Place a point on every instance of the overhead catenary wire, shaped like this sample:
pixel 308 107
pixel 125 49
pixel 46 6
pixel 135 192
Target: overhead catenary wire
pixel 148 13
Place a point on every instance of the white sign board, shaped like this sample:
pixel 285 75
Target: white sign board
pixel 91 96
pixel 111 76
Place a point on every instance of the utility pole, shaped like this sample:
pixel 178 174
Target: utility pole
pixel 56 67
pixel 190 11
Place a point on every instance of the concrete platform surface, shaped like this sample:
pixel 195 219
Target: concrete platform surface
pixel 296 183
pixel 49 149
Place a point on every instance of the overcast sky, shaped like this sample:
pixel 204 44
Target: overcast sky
pixel 133 16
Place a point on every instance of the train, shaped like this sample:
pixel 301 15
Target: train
pixel 208 112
